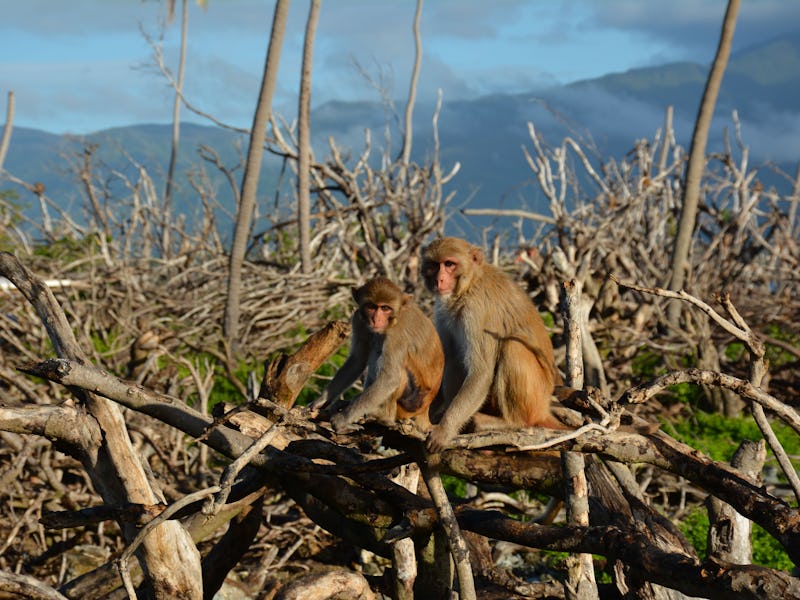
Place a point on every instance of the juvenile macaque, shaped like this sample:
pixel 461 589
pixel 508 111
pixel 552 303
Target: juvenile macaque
pixel 499 369
pixel 400 350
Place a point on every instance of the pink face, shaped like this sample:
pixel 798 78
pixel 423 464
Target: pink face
pixel 446 276
pixel 378 316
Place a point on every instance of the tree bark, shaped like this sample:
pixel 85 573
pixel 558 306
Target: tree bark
pixel 729 532
pixel 581 583
pixel 168 555
pixel 252 169
pixel 408 121
pixel 285 377
pixel 304 141
pixel 7 129
pixel 176 130
pixel 697 160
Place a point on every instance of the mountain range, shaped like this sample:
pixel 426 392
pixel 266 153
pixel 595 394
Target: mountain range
pixel 484 135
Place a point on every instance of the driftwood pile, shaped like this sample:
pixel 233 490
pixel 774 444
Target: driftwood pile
pixel 104 475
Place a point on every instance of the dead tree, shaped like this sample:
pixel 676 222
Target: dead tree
pixel 346 489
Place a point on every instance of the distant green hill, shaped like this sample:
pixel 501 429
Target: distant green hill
pixel 767 75
pixel 484 135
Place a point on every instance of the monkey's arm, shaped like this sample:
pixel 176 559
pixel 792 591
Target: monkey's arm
pixel 375 400
pixel 480 358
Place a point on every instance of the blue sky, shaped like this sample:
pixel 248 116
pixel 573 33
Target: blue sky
pixel 79 66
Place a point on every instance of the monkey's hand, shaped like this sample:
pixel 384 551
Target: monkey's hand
pixel 439 438
pixel 342 424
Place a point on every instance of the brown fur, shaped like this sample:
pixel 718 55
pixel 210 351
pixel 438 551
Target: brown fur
pixel 499 358
pixel 403 360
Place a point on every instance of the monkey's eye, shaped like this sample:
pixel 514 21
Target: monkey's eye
pixel 450 264
pixel 385 308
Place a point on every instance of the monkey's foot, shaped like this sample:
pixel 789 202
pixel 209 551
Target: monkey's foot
pixel 438 439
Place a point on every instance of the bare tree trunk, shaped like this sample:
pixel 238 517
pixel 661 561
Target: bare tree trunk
pixel 412 90
pixel 252 170
pixel 176 129
pixel 697 159
pixel 729 532
pixel 581 584
pixel 6 139
pixel 304 141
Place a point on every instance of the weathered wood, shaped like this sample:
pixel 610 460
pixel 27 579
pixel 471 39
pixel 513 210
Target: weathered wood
pixel 381 508
pixel 336 583
pixel 580 584
pixel 729 532
pixel 169 557
pixel 447 519
pixel 286 376
pixel 707 579
pixel 23 586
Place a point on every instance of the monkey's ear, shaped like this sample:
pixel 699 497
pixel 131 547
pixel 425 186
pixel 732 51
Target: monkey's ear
pixel 476 254
pixel 407 299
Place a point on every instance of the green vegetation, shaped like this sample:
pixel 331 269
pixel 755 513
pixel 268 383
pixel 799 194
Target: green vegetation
pixel 647 363
pixel 687 393
pixel 734 351
pixel 776 355
pixel 695 527
pixel 766 549
pixel 68 249
pixel 454 486
pixel 720 436
pixel 549 319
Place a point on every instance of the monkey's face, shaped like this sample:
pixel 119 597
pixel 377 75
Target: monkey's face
pixel 449 265
pixel 441 276
pixel 379 300
pixel 379 317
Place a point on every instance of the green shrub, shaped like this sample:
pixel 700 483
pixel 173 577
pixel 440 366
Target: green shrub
pixel 646 363
pixel 68 249
pixel 687 393
pixel 767 551
pixel 776 355
pixel 695 527
pixel 454 486
pixel 719 436
pixel 734 351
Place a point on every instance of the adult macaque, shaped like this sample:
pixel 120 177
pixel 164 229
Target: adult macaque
pixel 400 350
pixel 499 367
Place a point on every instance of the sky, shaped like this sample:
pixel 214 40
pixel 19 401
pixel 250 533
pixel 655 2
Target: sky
pixel 79 66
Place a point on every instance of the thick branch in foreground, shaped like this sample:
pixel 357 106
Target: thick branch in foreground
pixel 458 546
pixel 382 502
pixel 660 450
pixel 112 464
pixel 286 376
pixel 23 586
pixel 706 579
pixel 644 392
pixel 66 426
